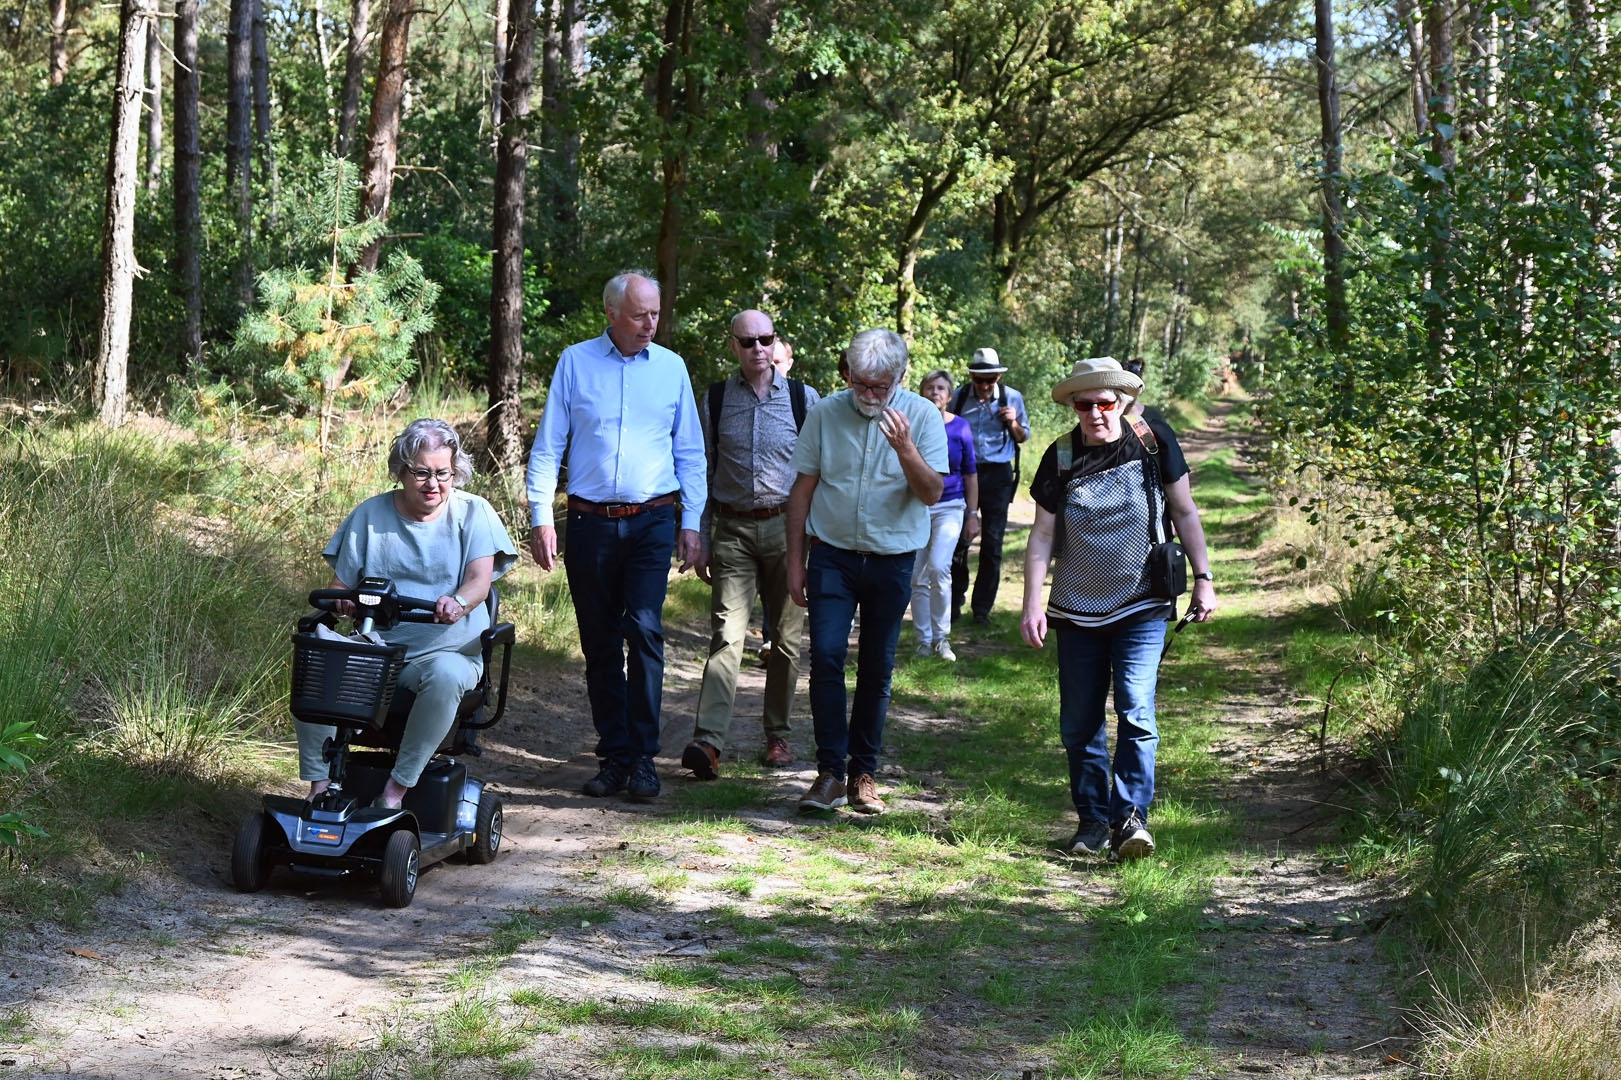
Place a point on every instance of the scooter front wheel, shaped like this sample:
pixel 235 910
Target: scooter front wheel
pixel 401 864
pixel 249 871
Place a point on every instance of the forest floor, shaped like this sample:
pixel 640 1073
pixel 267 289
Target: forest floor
pixel 595 901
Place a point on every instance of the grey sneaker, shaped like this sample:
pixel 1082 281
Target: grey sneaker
pixel 827 793
pixel 924 649
pixel 1092 838
pixel 1132 839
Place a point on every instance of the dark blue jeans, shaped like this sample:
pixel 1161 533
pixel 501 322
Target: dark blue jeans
pixel 618 569
pixel 1089 663
pixel 837 584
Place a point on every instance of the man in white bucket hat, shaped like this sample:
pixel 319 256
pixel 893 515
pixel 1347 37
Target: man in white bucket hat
pixel 997 417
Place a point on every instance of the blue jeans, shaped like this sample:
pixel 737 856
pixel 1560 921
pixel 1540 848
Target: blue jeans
pixel 837 583
pixel 618 570
pixel 1089 662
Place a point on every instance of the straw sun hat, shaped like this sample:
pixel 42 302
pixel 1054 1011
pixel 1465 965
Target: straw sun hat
pixel 1097 373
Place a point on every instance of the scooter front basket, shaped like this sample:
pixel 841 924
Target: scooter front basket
pixel 343 682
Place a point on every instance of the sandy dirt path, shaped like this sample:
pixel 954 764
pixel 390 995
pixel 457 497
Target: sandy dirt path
pixel 182 977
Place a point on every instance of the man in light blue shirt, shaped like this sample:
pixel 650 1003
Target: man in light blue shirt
pixel 869 462
pixel 623 409
pixel 998 419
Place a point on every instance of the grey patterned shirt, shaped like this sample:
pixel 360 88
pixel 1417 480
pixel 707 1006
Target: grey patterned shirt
pixel 750 468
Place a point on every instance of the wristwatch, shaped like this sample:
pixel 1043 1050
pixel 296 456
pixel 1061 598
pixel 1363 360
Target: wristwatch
pixel 1206 576
pixel 458 598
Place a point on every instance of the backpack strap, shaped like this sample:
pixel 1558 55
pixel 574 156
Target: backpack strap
pixel 717 394
pixel 959 399
pixel 1146 436
pixel 796 401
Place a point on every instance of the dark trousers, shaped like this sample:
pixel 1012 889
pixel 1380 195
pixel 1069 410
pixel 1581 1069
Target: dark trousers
pixel 837 584
pixel 618 569
pixel 995 493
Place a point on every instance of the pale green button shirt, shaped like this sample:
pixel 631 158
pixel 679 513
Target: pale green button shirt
pixel 862 501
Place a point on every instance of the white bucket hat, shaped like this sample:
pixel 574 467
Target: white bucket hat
pixel 1097 373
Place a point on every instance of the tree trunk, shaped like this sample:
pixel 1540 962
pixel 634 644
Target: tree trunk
pixel 1328 109
pixel 354 73
pixel 1114 257
pixel 118 266
pixel 1438 31
pixel 1136 318
pixel 1412 26
pixel 154 110
pixel 261 109
pixel 59 42
pixel 504 442
pixel 564 61
pixel 188 160
pixel 673 157
pixel 239 139
pixel 934 189
pixel 501 21
pixel 383 138
pixel 760 25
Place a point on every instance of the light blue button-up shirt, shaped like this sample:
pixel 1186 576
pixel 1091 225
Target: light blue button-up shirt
pixel 862 501
pixel 630 425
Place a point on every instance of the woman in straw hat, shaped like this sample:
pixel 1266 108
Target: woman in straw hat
pixel 1104 495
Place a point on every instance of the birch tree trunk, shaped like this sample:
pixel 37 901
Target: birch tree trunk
pixel 154 110
pixel 59 42
pixel 188 163
pixel 354 73
pixel 383 138
pixel 504 435
pixel 118 266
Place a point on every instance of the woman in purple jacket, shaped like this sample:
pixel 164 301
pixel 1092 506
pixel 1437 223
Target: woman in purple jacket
pixel 956 513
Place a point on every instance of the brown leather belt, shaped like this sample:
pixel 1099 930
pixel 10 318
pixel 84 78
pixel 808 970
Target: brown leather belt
pixel 618 510
pixel 763 514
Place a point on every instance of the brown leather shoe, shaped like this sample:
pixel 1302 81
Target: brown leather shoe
pixel 827 793
pixel 778 754
pixel 864 795
pixel 702 759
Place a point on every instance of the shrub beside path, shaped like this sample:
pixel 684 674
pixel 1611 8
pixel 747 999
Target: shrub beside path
pixel 716 933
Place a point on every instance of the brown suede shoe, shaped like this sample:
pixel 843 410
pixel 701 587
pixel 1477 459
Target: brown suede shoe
pixel 702 759
pixel 778 754
pixel 826 794
pixel 864 795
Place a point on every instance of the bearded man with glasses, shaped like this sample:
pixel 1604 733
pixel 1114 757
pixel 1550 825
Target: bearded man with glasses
pixel 869 465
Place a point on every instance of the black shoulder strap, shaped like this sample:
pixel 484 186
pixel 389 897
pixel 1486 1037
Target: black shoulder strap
pixel 796 401
pixel 717 394
pixel 960 399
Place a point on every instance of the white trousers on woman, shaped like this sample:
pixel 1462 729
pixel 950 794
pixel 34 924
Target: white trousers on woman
pixel 931 574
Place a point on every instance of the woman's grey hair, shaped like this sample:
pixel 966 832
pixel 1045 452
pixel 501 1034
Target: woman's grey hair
pixel 613 293
pixel 877 353
pixel 937 373
pixel 425 435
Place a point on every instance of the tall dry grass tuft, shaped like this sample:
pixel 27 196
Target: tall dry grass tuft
pixel 1566 1026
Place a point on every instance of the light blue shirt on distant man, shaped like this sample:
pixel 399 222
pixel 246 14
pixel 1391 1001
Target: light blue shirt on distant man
pixel 619 410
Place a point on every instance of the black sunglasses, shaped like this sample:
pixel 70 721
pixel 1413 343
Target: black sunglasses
pixel 748 342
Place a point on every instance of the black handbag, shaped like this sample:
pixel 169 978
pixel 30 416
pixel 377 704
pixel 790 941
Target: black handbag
pixel 1167 567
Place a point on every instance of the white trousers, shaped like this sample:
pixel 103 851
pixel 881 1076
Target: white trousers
pixel 931 574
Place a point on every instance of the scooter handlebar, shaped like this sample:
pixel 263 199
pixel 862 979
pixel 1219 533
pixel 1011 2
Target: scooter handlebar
pixel 411 609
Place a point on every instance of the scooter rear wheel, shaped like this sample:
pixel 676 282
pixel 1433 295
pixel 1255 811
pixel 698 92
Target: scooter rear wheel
pixel 487 830
pixel 401 863
pixel 249 871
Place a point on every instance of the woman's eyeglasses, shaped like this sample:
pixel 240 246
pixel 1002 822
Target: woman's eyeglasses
pixel 422 476
pixel 1103 407
pixel 749 342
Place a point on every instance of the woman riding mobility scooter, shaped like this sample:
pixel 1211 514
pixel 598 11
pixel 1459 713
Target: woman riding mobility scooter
pixel 349 683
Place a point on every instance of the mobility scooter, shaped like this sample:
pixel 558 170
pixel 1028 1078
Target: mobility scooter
pixel 350 684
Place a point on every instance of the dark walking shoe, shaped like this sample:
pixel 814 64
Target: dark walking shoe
pixel 982 618
pixel 610 780
pixel 1132 839
pixel 778 754
pixel 702 759
pixel 864 795
pixel 827 793
pixel 644 781
pixel 1092 838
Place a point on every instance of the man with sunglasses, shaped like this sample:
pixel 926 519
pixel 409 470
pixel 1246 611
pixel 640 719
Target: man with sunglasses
pixel 997 417
pixel 623 409
pixel 752 425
